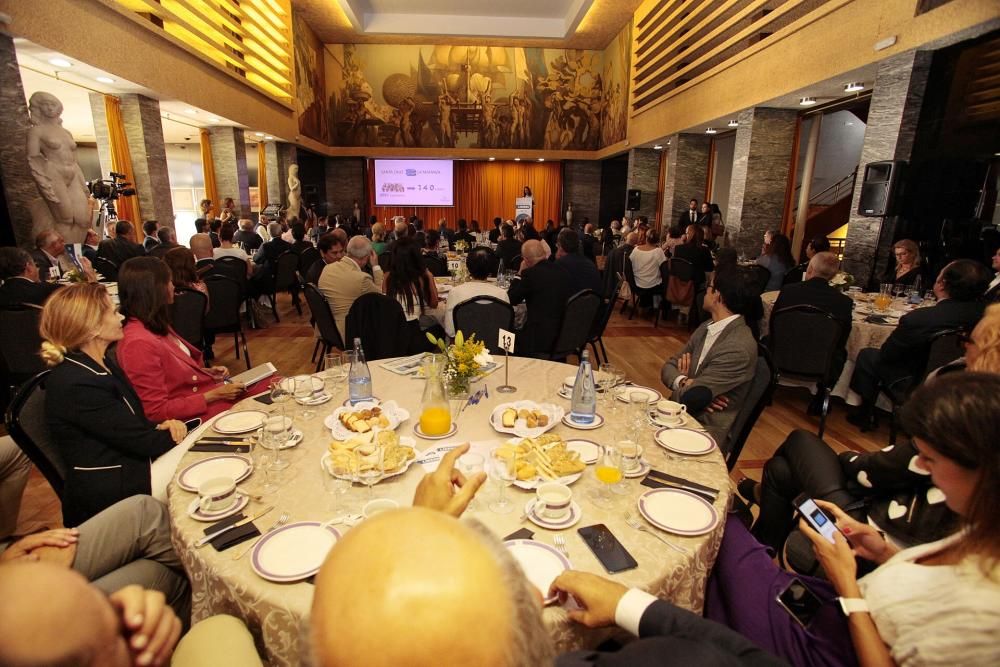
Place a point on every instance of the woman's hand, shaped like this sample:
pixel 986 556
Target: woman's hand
pixel 218 372
pixel 837 560
pixel 866 541
pixel 178 431
pixel 226 392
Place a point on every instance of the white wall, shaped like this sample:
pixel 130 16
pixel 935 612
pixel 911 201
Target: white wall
pixel 722 173
pixel 839 149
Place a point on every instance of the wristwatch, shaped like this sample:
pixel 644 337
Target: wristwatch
pixel 852 605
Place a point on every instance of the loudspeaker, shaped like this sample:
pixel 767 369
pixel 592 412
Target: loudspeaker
pixel 633 200
pixel 880 187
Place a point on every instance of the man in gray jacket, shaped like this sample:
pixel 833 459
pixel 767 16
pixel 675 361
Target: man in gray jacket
pixel 713 372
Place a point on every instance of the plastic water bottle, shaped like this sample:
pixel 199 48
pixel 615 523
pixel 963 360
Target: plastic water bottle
pixel 359 379
pixel 584 404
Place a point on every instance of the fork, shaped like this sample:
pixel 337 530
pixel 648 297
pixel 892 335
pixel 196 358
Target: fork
pixel 282 520
pixel 635 523
pixel 560 543
pixel 687 459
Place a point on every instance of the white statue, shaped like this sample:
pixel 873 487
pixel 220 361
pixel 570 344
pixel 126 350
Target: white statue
pixel 569 215
pixel 294 191
pixel 52 161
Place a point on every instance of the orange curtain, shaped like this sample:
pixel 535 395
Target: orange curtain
pixel 485 190
pixel 121 161
pixel 261 175
pixel 208 166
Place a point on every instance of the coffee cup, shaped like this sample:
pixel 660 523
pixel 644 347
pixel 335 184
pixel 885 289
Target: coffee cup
pixel 670 410
pixel 377 506
pixel 554 500
pixel 216 494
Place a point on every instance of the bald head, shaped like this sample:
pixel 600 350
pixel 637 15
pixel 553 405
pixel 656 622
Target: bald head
pixel 59 619
pixel 434 591
pixel 533 252
pixel 822 265
pixel 201 246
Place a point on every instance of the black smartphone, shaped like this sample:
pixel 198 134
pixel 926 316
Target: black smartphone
pixel 816 517
pixel 613 556
pixel 192 424
pixel 799 601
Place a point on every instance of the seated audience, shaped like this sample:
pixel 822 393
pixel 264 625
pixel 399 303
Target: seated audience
pixel 675 237
pixel 213 231
pixel 183 274
pixel 508 248
pixel 150 240
pixel 331 249
pixel 993 290
pixel 817 244
pixel 166 371
pixel 201 248
pixel 902 357
pixel 167 241
pixel 435 263
pixel 266 259
pixel 908 269
pixel 19 275
pixel 122 247
pixel 695 251
pixel 299 234
pixel 378 238
pixel 246 237
pixel 776 258
pixel 478 264
pixel 544 287
pixel 588 243
pixel 227 249
pixel 720 357
pixel 494 235
pixel 409 283
pixel 646 259
pixel 582 272
pixel 95 417
pixel 344 281
pixel 50 253
pixel 463 234
pixel 90 243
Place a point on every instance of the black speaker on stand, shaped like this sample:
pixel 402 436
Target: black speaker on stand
pixel 880 188
pixel 634 200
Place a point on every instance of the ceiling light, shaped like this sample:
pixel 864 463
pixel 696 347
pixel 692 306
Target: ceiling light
pixel 807 101
pixel 105 79
pixel 269 138
pixel 854 87
pixel 657 147
pixel 213 119
pixel 60 62
pixel 541 159
pixel 492 159
pixel 711 130
pixel 733 123
pixel 517 159
pixel 259 134
pixel 191 112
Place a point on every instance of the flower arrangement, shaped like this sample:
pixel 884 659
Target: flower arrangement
pixel 464 361
pixel 75 276
pixel 842 280
pixel 461 246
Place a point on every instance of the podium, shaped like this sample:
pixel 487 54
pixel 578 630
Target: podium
pixel 523 208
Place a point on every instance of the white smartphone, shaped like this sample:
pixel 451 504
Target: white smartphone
pixel 816 517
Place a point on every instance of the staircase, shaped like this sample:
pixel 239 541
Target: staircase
pixel 829 209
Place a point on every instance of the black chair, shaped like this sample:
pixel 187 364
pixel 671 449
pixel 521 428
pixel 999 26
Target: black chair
pixel 761 393
pixel 19 356
pixel 235 268
pixel 384 260
pixel 106 268
pixel 27 425
pixel 379 322
pixel 943 347
pixel 307 258
pixel 596 336
pixel 187 315
pixel 632 288
pixel 576 325
pixel 322 316
pixel 789 330
pixel 224 314
pixel 437 265
pixel 484 316
pixel 762 275
pixel 286 279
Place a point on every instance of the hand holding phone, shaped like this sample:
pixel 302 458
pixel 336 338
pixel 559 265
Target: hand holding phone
pixel 816 518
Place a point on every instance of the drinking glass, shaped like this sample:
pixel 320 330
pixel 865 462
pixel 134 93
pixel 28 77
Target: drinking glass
pixel 503 470
pixel 335 370
pixel 262 458
pixel 606 373
pixel 275 436
pixel 339 472
pixel 469 464
pixel 898 289
pixel 608 471
pixel 305 391
pixel 884 298
pixel 370 466
pixel 631 461
pixel 638 412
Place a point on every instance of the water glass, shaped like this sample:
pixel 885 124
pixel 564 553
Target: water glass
pixel 262 457
pixel 469 464
pixel 335 370
pixel 339 472
pixel 275 436
pixel 305 390
pixel 503 470
pixel 370 466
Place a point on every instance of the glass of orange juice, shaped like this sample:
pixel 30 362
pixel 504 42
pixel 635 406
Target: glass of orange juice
pixel 608 471
pixel 435 420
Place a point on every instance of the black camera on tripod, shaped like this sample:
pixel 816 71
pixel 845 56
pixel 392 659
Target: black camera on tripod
pixel 107 191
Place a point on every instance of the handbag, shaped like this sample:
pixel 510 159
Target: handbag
pixel 680 292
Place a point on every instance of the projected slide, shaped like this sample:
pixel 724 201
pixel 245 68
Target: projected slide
pixel 414 183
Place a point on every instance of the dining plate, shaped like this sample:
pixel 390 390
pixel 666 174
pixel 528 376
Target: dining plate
pixel 624 393
pixel 570 519
pixel 374 399
pixel 658 419
pixel 540 562
pixel 232 466
pixel 403 440
pixel 293 552
pixel 395 414
pixel 520 427
pixel 242 421
pixel 196 513
pixel 570 380
pixel 588 450
pixel 677 511
pixel 533 483
pixel 684 441
pixel 597 423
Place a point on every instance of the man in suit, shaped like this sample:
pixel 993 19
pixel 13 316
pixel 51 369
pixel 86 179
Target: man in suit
pixel 545 287
pixel 201 248
pixel 691 215
pixel 151 240
pixel 719 359
pixel 267 255
pixel 344 281
pixel 90 243
pixel 588 242
pixel 993 291
pixel 246 237
pixel 464 234
pixel 19 276
pixel 959 289
pixel 50 253
pixel 121 248
pixel 213 232
pixel 299 238
pixel 331 249
pixel 167 242
pixel 582 271
pixel 508 247
pixel 433 261
pixel 495 232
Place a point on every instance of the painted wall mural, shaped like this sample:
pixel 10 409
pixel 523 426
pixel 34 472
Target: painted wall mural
pixel 310 100
pixel 617 58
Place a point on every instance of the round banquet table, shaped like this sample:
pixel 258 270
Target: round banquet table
pixel 277 613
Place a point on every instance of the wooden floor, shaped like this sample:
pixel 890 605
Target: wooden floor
pixel 635 345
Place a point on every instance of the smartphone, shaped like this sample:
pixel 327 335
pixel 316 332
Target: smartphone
pixel 816 517
pixel 800 602
pixel 613 556
pixel 192 424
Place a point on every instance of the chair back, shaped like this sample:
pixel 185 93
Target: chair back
pixel 577 322
pixel 384 260
pixel 231 267
pixel 762 387
pixel 224 300
pixel 187 315
pixel 629 272
pixel 494 258
pixel 515 263
pixel 484 316
pixel 789 330
pixel 286 271
pixel 605 312
pixel 945 347
pixel 681 268
pixel 762 275
pixel 27 425
pixel 21 342
pixel 106 268
pixel 307 258
pixel 379 322
pixel 323 316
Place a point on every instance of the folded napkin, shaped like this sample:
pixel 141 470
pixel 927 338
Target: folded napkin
pixel 220 447
pixel 264 398
pixel 659 480
pixel 520 534
pixel 232 537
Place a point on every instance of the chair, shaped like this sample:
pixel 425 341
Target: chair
pixel 235 268
pixel 384 260
pixel 761 392
pixel 789 329
pixel 762 275
pixel 596 336
pixel 27 425
pixel 484 316
pixel 106 268
pixel 224 314
pixel 329 337
pixel 379 322
pixel 187 315
pixel 632 288
pixel 577 322
pixel 19 356
pixel 307 258
pixel 286 278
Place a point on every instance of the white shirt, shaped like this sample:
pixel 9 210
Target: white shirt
pixel 466 291
pixel 996 281
pixel 646 267
pixel 711 335
pixel 230 252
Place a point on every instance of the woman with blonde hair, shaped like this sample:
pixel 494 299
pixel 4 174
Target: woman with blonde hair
pixel 378 238
pixel 93 413
pixel 909 265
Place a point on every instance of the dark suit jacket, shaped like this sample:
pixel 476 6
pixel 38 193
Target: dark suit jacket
pixel 90 253
pixel 582 272
pixel 437 265
pixel 269 252
pixel 98 425
pixel 118 250
pixel 615 265
pixel 216 241
pixel 161 249
pixel 250 240
pixel 507 250
pixel 588 243
pixel 909 278
pixel 545 288
pixel 299 246
pixel 149 243
pixel 699 256
pixel 313 272
pixel 905 351
pixel 466 236
pixel 993 294
pixel 670 635
pixel 43 263
pixel 21 290
pixel 817 292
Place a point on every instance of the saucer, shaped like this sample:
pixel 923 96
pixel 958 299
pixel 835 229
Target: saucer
pixel 661 420
pixel 575 513
pixel 597 423
pixel 420 434
pixel 194 511
pixel 640 471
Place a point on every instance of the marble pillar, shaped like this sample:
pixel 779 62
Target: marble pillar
pixel 761 161
pixel 897 98
pixel 643 175
pixel 141 116
pixel 582 188
pixel 687 174
pixel 100 118
pixel 345 183
pixel 229 153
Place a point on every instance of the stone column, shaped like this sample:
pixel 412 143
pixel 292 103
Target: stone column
pixel 19 187
pixel 101 133
pixel 897 98
pixel 582 188
pixel 144 131
pixel 229 153
pixel 345 182
pixel 687 174
pixel 279 156
pixel 761 161
pixel 643 175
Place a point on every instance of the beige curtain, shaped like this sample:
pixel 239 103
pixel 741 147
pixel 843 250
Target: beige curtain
pixel 261 175
pixel 121 161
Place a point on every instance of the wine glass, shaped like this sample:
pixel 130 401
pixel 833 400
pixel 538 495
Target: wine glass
pixel 469 464
pixel 305 391
pixel 608 471
pixel 275 436
pixel 338 474
pixel 606 374
pixel 335 371
pixel 503 470
pixel 370 466
pixel 898 289
pixel 262 457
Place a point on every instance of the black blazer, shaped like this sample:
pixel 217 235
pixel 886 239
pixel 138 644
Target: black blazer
pixel 907 347
pixel 817 292
pixel 118 250
pixel 587 243
pixel 670 635
pixel 214 238
pixel 582 272
pixel 545 288
pixel 90 253
pixel 98 425
pixel 268 253
pixel 249 240
pixel 908 278
pixel 993 294
pixel 507 250
pixel 699 256
pixel 149 243
pixel 21 290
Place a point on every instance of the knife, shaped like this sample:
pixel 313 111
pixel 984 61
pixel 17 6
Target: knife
pixel 224 439
pixel 683 486
pixel 231 443
pixel 208 538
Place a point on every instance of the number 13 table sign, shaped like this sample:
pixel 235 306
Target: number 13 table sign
pixel 506 342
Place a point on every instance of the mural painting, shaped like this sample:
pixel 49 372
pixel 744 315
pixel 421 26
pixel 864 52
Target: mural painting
pixel 310 101
pixel 617 57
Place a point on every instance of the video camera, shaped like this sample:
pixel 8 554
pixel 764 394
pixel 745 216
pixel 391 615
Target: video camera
pixel 105 190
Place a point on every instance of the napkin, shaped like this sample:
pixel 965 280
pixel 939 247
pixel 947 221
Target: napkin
pixel 232 537
pixel 520 534
pixel 658 480
pixel 219 447
pixel 264 398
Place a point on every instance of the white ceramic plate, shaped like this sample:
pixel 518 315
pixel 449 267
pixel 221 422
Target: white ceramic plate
pixel 395 414
pixel 553 412
pixel 659 419
pixel 532 484
pixel 684 441
pixel 571 519
pixel 624 393
pixel 678 511
pixel 403 440
pixel 243 421
pixel 588 450
pixel 597 423
pixel 570 380
pixel 293 552
pixel 540 562
pixel 232 466
pixel 374 399
pixel 195 512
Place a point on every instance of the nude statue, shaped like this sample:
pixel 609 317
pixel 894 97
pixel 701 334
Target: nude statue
pixel 52 161
pixel 294 191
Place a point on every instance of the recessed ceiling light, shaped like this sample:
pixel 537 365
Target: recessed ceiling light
pixel 733 123
pixel 807 101
pixel 711 130
pixel 541 159
pixel 657 147
pixel 60 62
pixel 105 79
pixel 259 134
pixel 191 112
pixel 213 119
pixel 269 138
pixel 854 87
pixel 517 159
pixel 492 159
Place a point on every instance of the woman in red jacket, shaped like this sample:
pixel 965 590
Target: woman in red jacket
pixel 166 371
